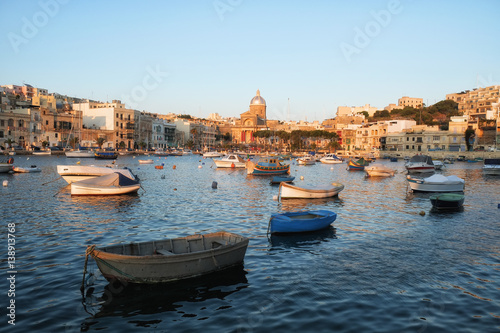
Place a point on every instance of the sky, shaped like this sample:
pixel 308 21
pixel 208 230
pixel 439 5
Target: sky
pixel 210 56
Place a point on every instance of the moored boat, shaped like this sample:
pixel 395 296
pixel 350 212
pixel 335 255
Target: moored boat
pixel 80 153
pixel 447 201
pixel 331 159
pixel 379 170
pixel 169 260
pixel 148 161
pixel 438 165
pixel 280 179
pixel 420 164
pixel 358 165
pixel 288 191
pixel 302 221
pixel 491 166
pixel 106 155
pixel 7 165
pixel 42 152
pixel 267 166
pixel 73 173
pixel 306 160
pixel 230 161
pixel 436 183
pixel 212 154
pixel 112 184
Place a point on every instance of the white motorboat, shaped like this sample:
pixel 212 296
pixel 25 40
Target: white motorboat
pixel 379 170
pixel 306 160
pixel 438 165
pixel 230 161
pixel 491 166
pixel 42 152
pixel 74 173
pixel 110 184
pixel 436 183
pixel 212 154
pixel 288 191
pixel 149 161
pixel 420 163
pixel 331 159
pixel 80 154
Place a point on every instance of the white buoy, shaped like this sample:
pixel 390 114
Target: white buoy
pixel 331 168
pixel 199 167
pixel 301 177
pixel 5 183
pixel 275 197
pixel 27 158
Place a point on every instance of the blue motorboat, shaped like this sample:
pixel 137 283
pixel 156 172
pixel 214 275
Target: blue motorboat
pixel 302 221
pixel 280 179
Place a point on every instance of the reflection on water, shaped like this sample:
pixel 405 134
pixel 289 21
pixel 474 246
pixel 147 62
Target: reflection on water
pixel 134 300
pixel 302 239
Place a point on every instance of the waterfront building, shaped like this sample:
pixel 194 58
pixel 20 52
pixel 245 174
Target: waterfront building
pixel 114 120
pixel 21 127
pixel 480 103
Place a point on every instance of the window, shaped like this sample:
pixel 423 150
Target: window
pixel 56 135
pixel 2 123
pixel 435 138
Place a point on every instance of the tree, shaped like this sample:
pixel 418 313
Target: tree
pixel 122 144
pixel 470 135
pixel 73 142
pixel 100 141
pixel 44 144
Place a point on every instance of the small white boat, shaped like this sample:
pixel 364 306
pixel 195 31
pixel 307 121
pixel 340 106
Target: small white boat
pixel 491 166
pixel 150 161
pixel 42 152
pixel 379 170
pixel 436 183
pixel 420 163
pixel 111 184
pixel 331 159
pixel 171 259
pixel 80 154
pixel 230 161
pixel 5 167
pixel 306 160
pixel 438 165
pixel 74 173
pixel 212 154
pixel 288 191
pixel 33 168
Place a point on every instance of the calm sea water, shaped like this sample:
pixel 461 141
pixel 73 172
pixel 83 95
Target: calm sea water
pixel 383 267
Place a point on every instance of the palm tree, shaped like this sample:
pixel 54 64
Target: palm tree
pixel 100 141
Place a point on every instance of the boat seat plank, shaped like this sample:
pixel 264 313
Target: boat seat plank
pixel 165 252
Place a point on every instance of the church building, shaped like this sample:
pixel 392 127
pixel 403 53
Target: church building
pixel 250 121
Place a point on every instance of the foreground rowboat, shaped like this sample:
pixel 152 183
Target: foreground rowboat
pixel 170 259
pixel 447 201
pixel 112 184
pixel 303 221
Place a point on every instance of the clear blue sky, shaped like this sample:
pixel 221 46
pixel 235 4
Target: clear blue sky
pixel 202 57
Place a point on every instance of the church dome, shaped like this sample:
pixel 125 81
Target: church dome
pixel 257 100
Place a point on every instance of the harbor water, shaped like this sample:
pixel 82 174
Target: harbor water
pixel 389 263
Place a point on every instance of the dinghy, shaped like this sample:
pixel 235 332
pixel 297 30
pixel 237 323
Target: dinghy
pixel 303 221
pixel 33 168
pixel 448 201
pixel 112 184
pixel 288 191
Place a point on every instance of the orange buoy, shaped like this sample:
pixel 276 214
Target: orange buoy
pixel 159 166
pixel 232 165
pixel 174 167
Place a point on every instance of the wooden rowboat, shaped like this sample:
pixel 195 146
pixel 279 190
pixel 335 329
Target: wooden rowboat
pixel 303 221
pixel 288 191
pixel 170 259
pixel 358 165
pixel 111 184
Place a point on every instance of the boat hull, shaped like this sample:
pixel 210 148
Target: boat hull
pixel 280 179
pixel 288 191
pixel 447 201
pixel 171 259
pixel 80 154
pixel 264 170
pixel 26 170
pixel 103 190
pixel 5 167
pixel 305 221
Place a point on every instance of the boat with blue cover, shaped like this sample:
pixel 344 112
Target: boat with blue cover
pixel 267 166
pixel 302 221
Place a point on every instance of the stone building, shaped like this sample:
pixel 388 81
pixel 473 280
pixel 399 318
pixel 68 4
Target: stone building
pixel 253 120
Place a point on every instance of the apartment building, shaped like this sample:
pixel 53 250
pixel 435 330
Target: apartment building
pixel 480 103
pixel 411 102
